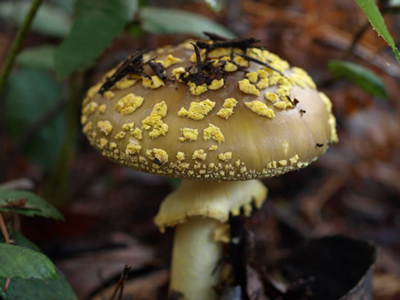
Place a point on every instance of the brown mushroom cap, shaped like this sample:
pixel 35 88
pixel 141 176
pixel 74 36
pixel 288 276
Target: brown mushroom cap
pixel 275 123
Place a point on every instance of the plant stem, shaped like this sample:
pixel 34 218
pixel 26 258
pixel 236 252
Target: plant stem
pixel 16 44
pixel 56 186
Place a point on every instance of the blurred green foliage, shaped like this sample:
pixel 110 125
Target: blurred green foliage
pixel 363 77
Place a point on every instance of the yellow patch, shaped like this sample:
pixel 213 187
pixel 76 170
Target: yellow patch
pixel 294 159
pixel 225 156
pixel 120 135
pixel 264 73
pixel 220 52
pixel 213 148
pixel 260 109
pixel 133 149
pixel 301 78
pixel 83 119
pixel 128 104
pixel 246 87
pixel 169 61
pixel 94 90
pixel 280 104
pixel 213 132
pixel 230 67
pixel 154 83
pixel 113 145
pixel 105 127
pixel 137 133
pixel 88 127
pixel 197 110
pixel 109 95
pixel 216 84
pixel 103 143
pixel 197 89
pixel 241 61
pixel 252 76
pixel 326 101
pixel 124 83
pixel 180 156
pixel 332 124
pixel 177 73
pixel 154 121
pixel 227 108
pixel 188 134
pixel 90 108
pixel 102 108
pixel 282 91
pixel 128 126
pixel 283 163
pixel 199 154
pixel 158 154
pixel 263 83
pixel 274 79
pixel 271 97
pixel 272 165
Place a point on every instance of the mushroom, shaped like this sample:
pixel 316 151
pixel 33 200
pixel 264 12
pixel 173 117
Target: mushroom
pixel 220 114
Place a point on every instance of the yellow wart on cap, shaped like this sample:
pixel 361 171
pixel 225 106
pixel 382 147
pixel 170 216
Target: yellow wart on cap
pixel 252 76
pixel 154 83
pixel 227 108
pixel 246 87
pixel 133 149
pixel 102 108
pixel 216 84
pixel 197 89
pixel 213 132
pixel 199 154
pixel 108 95
pixel 197 110
pixel 159 154
pixel 128 104
pixel 154 121
pixel 177 72
pixel 225 156
pixel 120 135
pixel 188 134
pixel 124 83
pixel 105 127
pixel 271 97
pixel 169 61
pixel 260 109
pixel 90 108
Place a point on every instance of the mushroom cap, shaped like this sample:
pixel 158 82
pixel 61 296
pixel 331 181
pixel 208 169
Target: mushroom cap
pixel 241 118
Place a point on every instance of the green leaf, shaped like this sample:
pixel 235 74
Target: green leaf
pixel 25 263
pixel 97 24
pixel 30 93
pixel 375 18
pixel 22 241
pixel 29 289
pixel 49 20
pixel 173 21
pixel 214 5
pixel 34 206
pixel 41 57
pixel 363 77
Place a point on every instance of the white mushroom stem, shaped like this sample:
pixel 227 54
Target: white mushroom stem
pixel 199 211
pixel 195 255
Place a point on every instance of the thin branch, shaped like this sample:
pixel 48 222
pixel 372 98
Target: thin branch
pixel 4 229
pixel 121 283
pixel 16 44
pixel 355 41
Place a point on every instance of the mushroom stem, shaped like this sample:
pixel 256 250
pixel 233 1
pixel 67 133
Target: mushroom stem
pixel 194 257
